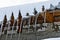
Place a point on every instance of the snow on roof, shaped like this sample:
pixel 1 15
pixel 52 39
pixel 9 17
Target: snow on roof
pixel 26 17
pixel 58 6
pixel 51 7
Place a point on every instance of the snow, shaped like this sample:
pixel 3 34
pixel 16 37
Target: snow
pixel 43 29
pixel 52 38
pixel 51 6
pixel 58 6
pixel 26 17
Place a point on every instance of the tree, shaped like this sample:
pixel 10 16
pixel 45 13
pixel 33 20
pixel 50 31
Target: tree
pixel 35 11
pixel 5 20
pixel 27 14
pixel 19 22
pixel 43 8
pixel 4 25
pixel 12 21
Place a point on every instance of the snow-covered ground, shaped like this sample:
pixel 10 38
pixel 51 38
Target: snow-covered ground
pixel 52 38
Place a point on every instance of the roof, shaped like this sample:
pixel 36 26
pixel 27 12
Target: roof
pixel 58 6
pixel 51 7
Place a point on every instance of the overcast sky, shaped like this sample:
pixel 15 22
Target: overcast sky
pixel 6 3
pixel 9 6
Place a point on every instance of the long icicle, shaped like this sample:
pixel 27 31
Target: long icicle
pixel 29 24
pixel 20 29
pixel 7 32
pixel 35 25
pixel 1 28
pixel 12 31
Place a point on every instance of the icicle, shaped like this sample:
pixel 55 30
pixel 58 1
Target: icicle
pixel 20 30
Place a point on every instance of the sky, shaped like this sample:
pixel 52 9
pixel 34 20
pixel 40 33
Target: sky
pixel 9 6
pixel 7 3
